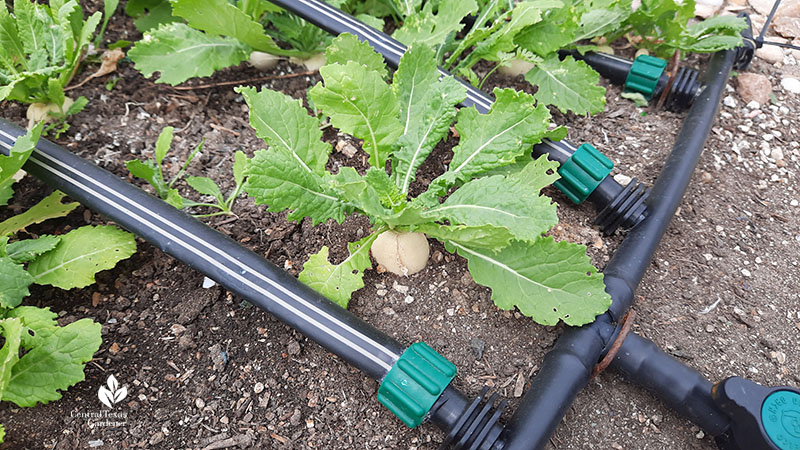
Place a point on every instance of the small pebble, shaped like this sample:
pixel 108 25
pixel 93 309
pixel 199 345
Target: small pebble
pixel 746 273
pixel 199 403
pixel 729 101
pixel 477 346
pixel 400 288
pixel 622 179
pixel 258 388
pixel 791 85
pixel 208 283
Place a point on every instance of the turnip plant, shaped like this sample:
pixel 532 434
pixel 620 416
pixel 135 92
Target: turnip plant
pixel 486 206
pixel 42 48
pixel 38 358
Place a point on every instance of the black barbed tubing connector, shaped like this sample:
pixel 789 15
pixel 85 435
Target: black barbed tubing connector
pixel 585 175
pixel 645 75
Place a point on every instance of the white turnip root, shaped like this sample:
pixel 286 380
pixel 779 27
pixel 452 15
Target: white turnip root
pixel 263 61
pixel 607 49
pixel 404 253
pixel 517 67
pixel 39 111
pixel 311 64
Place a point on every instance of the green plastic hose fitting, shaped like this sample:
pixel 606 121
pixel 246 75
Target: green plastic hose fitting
pixel 415 382
pixel 583 172
pixel 644 75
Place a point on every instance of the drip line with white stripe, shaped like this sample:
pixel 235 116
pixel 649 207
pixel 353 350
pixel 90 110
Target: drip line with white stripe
pixel 364 351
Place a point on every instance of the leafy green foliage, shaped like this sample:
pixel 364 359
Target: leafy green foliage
pixel 54 356
pixel 41 49
pixel 220 17
pixel 360 103
pixel 338 282
pixel 80 254
pixel 568 84
pixel 152 171
pixel 427 109
pixel 39 358
pixel 149 14
pixel 664 27
pixel 534 31
pixel 307 39
pixel 11 164
pixel 558 283
pixel 472 207
pixel 435 28
pixel 194 38
pixel 14 281
pixel 179 53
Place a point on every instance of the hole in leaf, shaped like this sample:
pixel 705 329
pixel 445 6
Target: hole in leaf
pixel 555 309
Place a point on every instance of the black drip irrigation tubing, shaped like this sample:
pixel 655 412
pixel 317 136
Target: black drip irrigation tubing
pixel 222 259
pixel 469 424
pixel 566 369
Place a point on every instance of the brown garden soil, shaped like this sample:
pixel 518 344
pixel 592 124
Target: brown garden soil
pixel 204 369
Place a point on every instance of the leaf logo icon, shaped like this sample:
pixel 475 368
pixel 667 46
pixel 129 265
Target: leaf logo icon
pixel 112 394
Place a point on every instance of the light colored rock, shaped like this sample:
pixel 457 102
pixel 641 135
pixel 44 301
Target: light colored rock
pixel 704 10
pixel 758 22
pixel 729 101
pixel 763 7
pixel 737 2
pixel 754 87
pixel 789 8
pixel 770 53
pixel 622 179
pixel 791 85
pixel 788 27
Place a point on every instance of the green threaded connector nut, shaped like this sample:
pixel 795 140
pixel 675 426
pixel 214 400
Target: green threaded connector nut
pixel 644 75
pixel 583 172
pixel 780 415
pixel 415 382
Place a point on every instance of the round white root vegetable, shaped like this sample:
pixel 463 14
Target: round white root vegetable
pixel 517 67
pixel 39 111
pixel 311 64
pixel 402 253
pixel 263 61
pixel 607 49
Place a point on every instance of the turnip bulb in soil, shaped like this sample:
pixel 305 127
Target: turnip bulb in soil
pixel 486 206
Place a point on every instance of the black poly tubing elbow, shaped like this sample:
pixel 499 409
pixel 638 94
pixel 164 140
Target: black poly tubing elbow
pixel 566 369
